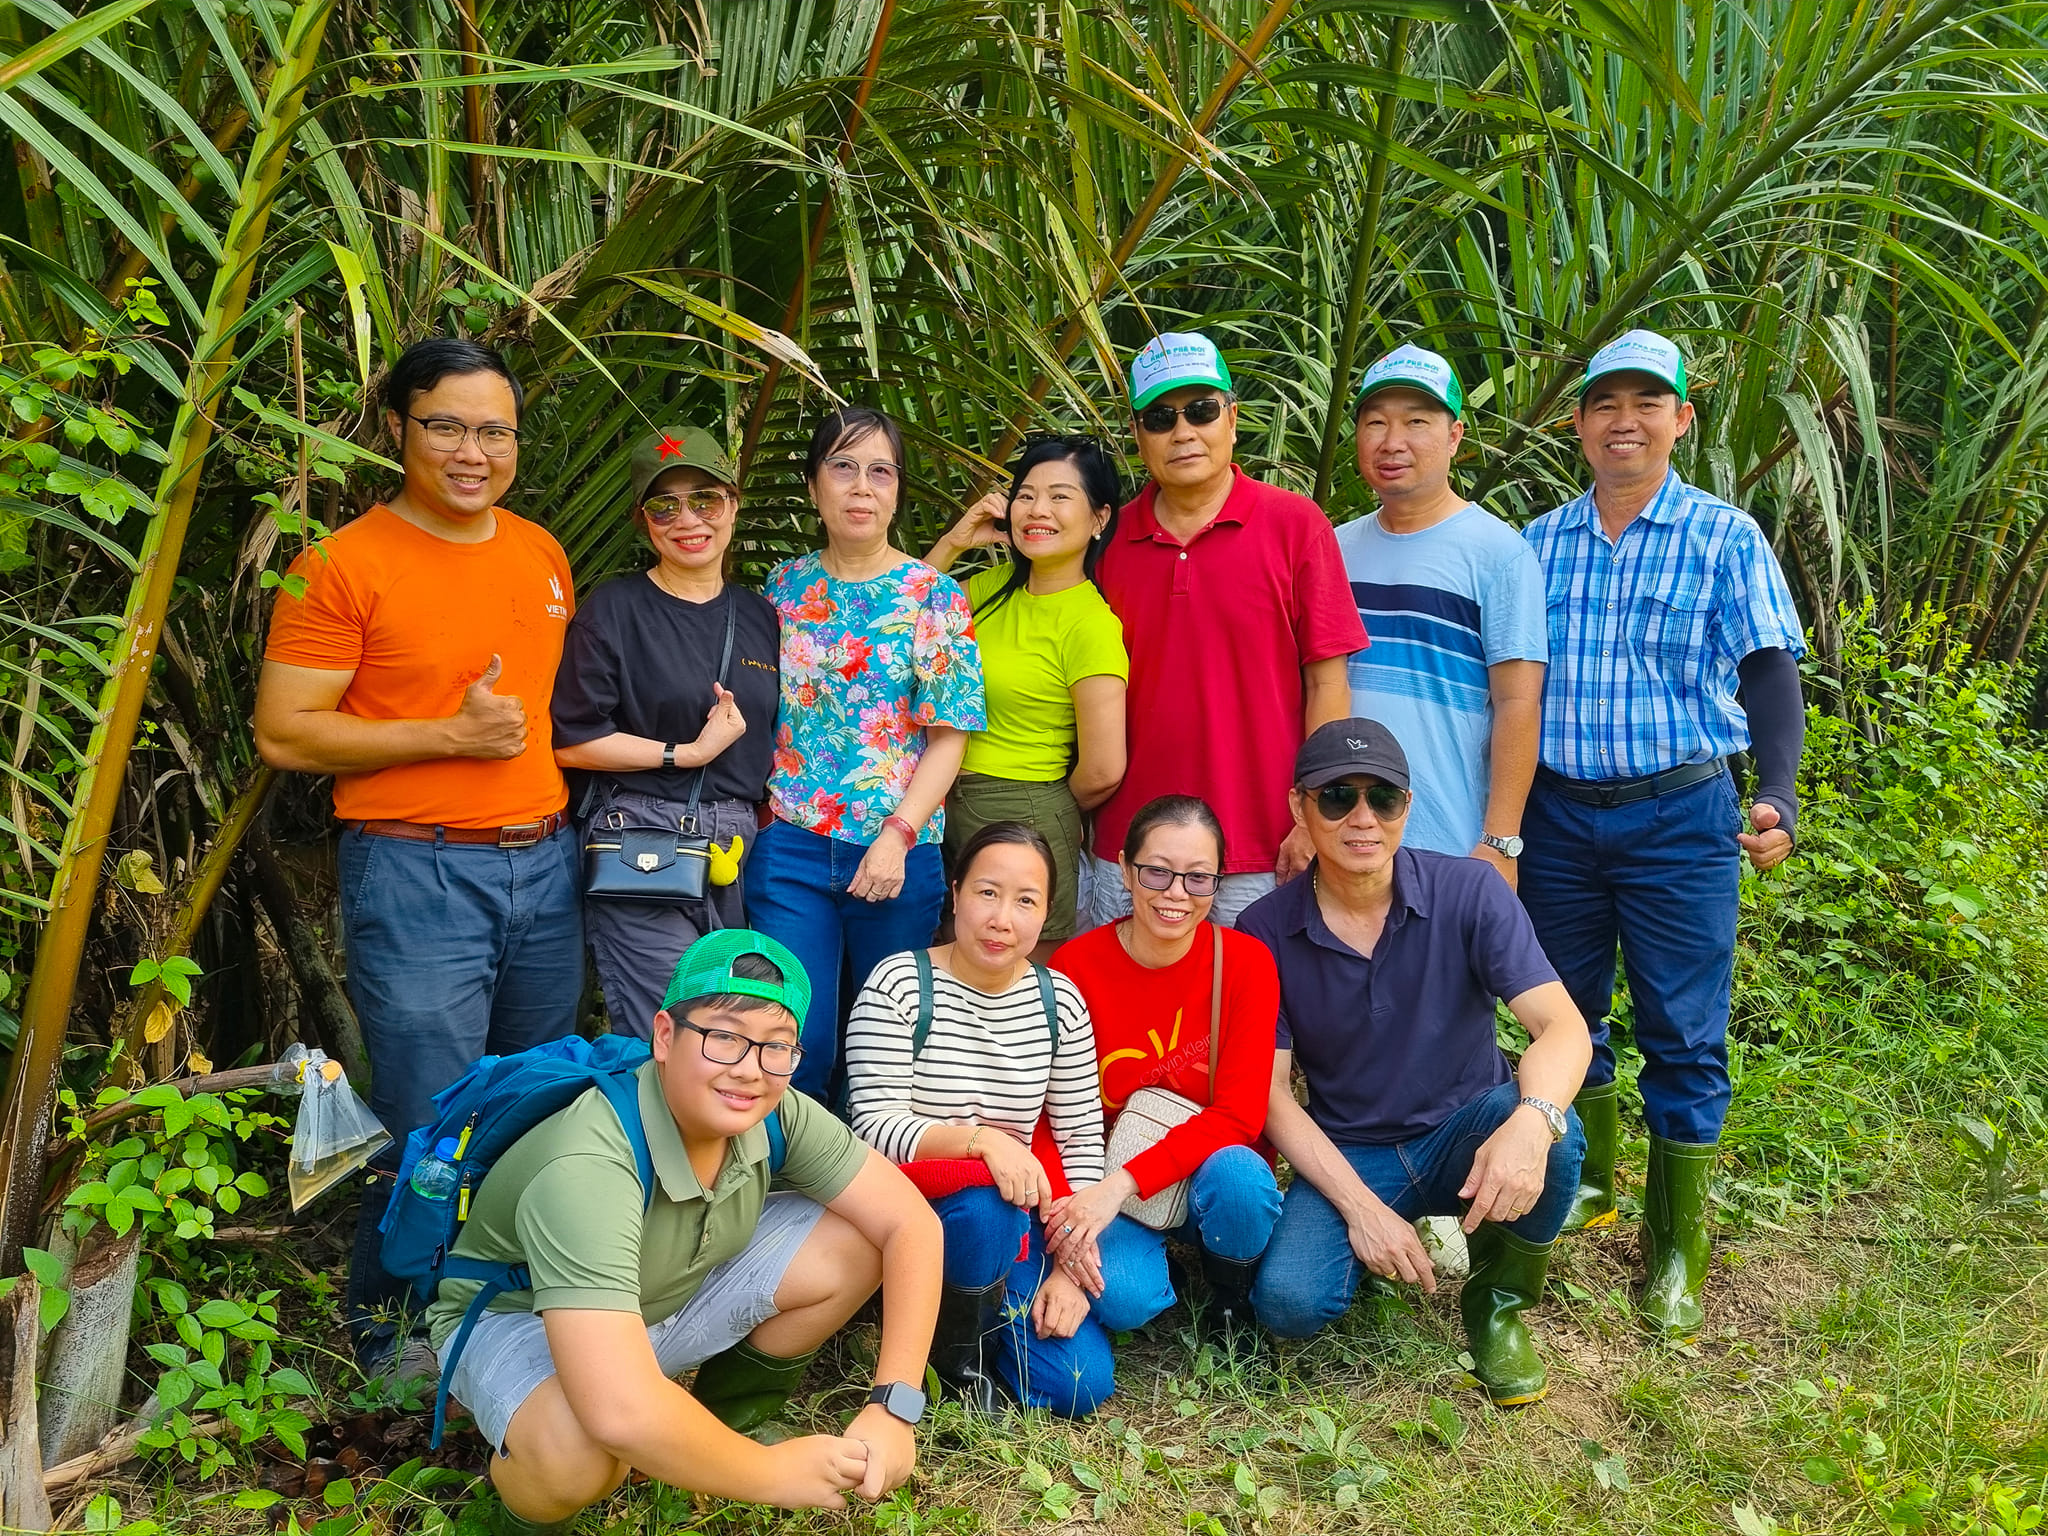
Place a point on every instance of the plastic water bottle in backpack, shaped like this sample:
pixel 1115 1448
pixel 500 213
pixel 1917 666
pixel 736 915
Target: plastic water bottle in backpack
pixel 435 1176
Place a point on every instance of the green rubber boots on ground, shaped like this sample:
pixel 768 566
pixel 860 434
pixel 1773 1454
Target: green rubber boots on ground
pixel 1506 1280
pixel 1675 1243
pixel 1599 1110
pixel 745 1388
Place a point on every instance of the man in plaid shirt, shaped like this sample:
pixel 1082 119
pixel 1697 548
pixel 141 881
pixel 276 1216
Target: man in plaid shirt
pixel 1662 602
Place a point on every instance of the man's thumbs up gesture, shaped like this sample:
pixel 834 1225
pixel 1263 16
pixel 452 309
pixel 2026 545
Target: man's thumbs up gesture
pixel 488 724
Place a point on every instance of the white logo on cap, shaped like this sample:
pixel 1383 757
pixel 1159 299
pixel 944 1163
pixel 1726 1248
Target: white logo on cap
pixel 1356 746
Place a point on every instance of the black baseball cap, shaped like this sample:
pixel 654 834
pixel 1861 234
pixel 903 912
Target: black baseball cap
pixel 1344 747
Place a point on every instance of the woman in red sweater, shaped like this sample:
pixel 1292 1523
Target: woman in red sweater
pixel 1148 983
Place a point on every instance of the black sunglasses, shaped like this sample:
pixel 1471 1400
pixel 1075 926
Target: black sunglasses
pixel 1161 416
pixel 1336 801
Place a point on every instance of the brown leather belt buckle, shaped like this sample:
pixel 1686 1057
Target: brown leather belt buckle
pixel 525 834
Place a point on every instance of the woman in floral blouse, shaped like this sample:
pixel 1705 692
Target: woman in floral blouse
pixel 881 683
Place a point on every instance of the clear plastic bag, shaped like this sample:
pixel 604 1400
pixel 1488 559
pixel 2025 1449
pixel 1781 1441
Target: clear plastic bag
pixel 335 1133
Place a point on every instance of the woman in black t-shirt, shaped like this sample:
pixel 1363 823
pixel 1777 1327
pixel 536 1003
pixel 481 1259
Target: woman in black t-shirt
pixel 639 705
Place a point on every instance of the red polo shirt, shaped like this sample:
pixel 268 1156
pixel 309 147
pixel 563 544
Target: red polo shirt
pixel 1218 631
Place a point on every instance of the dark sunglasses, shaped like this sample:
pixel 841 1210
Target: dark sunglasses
pixel 1196 882
pixel 1336 801
pixel 1161 417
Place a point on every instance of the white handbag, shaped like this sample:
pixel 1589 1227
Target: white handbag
pixel 1149 1113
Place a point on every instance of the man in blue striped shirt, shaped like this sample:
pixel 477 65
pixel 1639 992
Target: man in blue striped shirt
pixel 1662 602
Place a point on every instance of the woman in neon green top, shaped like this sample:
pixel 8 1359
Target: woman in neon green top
pixel 1052 657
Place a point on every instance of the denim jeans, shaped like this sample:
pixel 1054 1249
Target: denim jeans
pixel 1662 876
pixel 1232 1205
pixel 796 892
pixel 1311 1273
pixel 987 1237
pixel 455 951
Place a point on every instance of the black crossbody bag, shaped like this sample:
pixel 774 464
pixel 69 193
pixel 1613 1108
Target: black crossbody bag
pixel 667 866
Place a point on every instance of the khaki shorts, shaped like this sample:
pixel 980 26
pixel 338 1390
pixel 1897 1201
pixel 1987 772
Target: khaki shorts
pixel 507 1355
pixel 978 801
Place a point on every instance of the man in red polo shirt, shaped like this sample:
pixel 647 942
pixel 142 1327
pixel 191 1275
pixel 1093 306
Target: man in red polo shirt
pixel 1239 622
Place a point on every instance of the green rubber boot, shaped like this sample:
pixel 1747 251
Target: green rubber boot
pixel 1599 1110
pixel 502 1522
pixel 1675 1244
pixel 1506 1279
pixel 745 1388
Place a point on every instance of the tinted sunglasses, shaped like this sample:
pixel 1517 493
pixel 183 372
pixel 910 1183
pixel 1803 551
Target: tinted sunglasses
pixel 1337 801
pixel 1157 877
pixel 1160 417
pixel 710 505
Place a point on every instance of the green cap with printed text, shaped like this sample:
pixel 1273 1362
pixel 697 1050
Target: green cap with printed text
pixel 679 448
pixel 1174 361
pixel 706 971
pixel 1638 351
pixel 1413 367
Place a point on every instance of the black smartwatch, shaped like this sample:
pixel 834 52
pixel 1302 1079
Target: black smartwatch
pixel 901 1399
pixel 668 754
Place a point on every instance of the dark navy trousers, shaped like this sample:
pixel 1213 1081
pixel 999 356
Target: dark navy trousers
pixel 1661 877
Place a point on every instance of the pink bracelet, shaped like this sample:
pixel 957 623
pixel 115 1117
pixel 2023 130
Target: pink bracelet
pixel 909 832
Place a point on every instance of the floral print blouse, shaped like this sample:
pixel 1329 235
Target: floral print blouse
pixel 866 666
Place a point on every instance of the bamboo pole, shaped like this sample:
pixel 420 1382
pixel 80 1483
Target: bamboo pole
pixel 31 1078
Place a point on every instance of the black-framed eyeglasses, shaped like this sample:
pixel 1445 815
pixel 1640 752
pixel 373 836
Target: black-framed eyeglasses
pixel 1160 417
pixel 1336 801
pixel 710 504
pixel 778 1057
pixel 842 469
pixel 444 434
pixel 1196 882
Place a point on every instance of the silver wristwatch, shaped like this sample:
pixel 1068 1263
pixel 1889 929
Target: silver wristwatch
pixel 1551 1114
pixel 1511 847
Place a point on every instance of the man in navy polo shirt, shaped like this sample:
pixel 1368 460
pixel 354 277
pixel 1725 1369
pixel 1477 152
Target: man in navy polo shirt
pixel 1390 962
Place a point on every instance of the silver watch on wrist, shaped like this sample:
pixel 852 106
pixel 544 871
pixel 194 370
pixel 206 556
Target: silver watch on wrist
pixel 1509 847
pixel 1552 1115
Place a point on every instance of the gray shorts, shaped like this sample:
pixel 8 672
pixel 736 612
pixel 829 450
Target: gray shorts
pixel 507 1353
pixel 1109 902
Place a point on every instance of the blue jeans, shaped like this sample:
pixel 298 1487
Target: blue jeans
pixel 1232 1205
pixel 1663 876
pixel 1311 1274
pixel 796 892
pixel 455 951
pixel 986 1238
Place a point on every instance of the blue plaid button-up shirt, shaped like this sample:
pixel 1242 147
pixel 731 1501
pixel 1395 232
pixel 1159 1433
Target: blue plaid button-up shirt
pixel 1646 631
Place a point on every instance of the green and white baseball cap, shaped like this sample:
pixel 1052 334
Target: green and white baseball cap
pixel 1174 361
pixel 679 448
pixel 1638 352
pixel 1413 367
pixel 705 970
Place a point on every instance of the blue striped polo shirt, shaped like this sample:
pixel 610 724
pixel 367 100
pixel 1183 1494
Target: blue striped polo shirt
pixel 1442 606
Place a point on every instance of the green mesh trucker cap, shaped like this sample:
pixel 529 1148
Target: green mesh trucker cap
pixel 706 971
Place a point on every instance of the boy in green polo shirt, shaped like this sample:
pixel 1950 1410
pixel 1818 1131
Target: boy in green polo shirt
pixel 571 1381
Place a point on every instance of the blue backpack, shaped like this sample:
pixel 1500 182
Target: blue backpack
pixel 484 1112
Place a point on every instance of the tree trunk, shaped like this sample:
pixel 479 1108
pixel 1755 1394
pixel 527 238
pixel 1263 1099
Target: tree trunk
pixel 323 1004
pixel 88 1353
pixel 24 1506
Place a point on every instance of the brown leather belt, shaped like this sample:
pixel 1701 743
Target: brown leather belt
pixel 524 835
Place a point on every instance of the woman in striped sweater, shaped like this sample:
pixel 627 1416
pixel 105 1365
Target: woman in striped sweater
pixel 953 1055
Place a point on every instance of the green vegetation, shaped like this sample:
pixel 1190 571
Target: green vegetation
pixel 226 218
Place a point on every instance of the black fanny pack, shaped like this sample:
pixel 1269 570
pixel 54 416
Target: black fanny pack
pixel 624 860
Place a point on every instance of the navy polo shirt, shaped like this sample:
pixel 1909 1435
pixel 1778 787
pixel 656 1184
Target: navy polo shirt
pixel 1391 1046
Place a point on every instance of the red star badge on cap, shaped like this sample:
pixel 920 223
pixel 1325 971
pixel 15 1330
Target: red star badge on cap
pixel 669 446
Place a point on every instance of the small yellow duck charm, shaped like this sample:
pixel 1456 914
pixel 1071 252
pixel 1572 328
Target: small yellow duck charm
pixel 725 862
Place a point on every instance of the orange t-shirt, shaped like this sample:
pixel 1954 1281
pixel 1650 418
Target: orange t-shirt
pixel 416 619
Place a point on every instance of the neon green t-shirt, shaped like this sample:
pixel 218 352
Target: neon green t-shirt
pixel 1033 651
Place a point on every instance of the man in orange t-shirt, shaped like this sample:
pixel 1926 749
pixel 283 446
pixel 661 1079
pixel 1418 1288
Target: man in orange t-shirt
pixel 415 665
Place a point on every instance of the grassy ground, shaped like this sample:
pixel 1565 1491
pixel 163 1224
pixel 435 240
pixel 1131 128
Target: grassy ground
pixel 1876 1361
